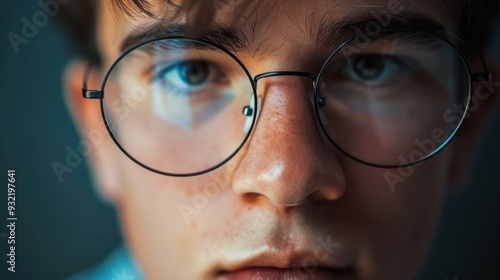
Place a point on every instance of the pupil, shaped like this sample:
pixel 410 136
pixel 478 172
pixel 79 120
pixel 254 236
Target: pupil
pixel 194 72
pixel 368 67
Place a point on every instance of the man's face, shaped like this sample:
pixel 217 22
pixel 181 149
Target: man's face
pixel 288 201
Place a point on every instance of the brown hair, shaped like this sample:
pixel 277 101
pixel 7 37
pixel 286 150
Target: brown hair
pixel 78 18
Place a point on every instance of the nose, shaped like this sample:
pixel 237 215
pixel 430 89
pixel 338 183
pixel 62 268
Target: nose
pixel 288 161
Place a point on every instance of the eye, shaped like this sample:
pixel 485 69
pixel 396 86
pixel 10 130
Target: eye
pixel 193 72
pixel 368 67
pixel 189 77
pixel 375 68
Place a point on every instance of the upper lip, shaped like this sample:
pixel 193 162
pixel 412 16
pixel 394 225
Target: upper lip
pixel 269 257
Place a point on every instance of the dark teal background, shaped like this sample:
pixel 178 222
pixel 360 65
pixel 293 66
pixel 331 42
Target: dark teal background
pixel 63 227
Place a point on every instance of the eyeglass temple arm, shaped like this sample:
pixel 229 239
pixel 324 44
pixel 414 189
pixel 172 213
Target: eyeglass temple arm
pixel 90 94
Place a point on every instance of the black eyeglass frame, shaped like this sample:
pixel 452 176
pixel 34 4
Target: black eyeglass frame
pixel 319 101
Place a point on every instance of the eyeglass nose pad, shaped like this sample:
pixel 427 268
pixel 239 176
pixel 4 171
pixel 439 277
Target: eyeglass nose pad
pixel 321 103
pixel 249 110
pixel 322 117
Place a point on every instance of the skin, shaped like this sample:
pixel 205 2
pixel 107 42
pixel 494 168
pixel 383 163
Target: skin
pixel 288 187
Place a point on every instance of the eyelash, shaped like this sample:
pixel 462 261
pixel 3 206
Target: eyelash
pixel 215 75
pixel 405 66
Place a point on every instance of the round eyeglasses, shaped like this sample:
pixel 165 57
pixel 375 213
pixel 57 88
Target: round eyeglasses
pixel 183 107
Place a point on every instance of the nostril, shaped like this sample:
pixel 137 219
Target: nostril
pixel 328 194
pixel 254 197
pixel 251 197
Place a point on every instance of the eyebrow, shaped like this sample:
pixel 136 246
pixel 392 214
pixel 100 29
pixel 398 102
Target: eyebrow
pixel 328 34
pixel 335 33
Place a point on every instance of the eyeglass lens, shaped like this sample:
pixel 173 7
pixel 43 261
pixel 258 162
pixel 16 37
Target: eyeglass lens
pixel 393 100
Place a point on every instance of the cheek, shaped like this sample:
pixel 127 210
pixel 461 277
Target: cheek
pixel 167 220
pixel 395 224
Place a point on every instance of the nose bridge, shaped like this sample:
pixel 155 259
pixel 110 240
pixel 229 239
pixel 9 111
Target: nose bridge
pixel 292 93
pixel 287 108
pixel 286 159
pixel 286 100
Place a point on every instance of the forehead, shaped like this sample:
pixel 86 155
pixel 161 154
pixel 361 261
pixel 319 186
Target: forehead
pixel 265 26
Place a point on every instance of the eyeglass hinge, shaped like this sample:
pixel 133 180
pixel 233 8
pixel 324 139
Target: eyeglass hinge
pixel 92 94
